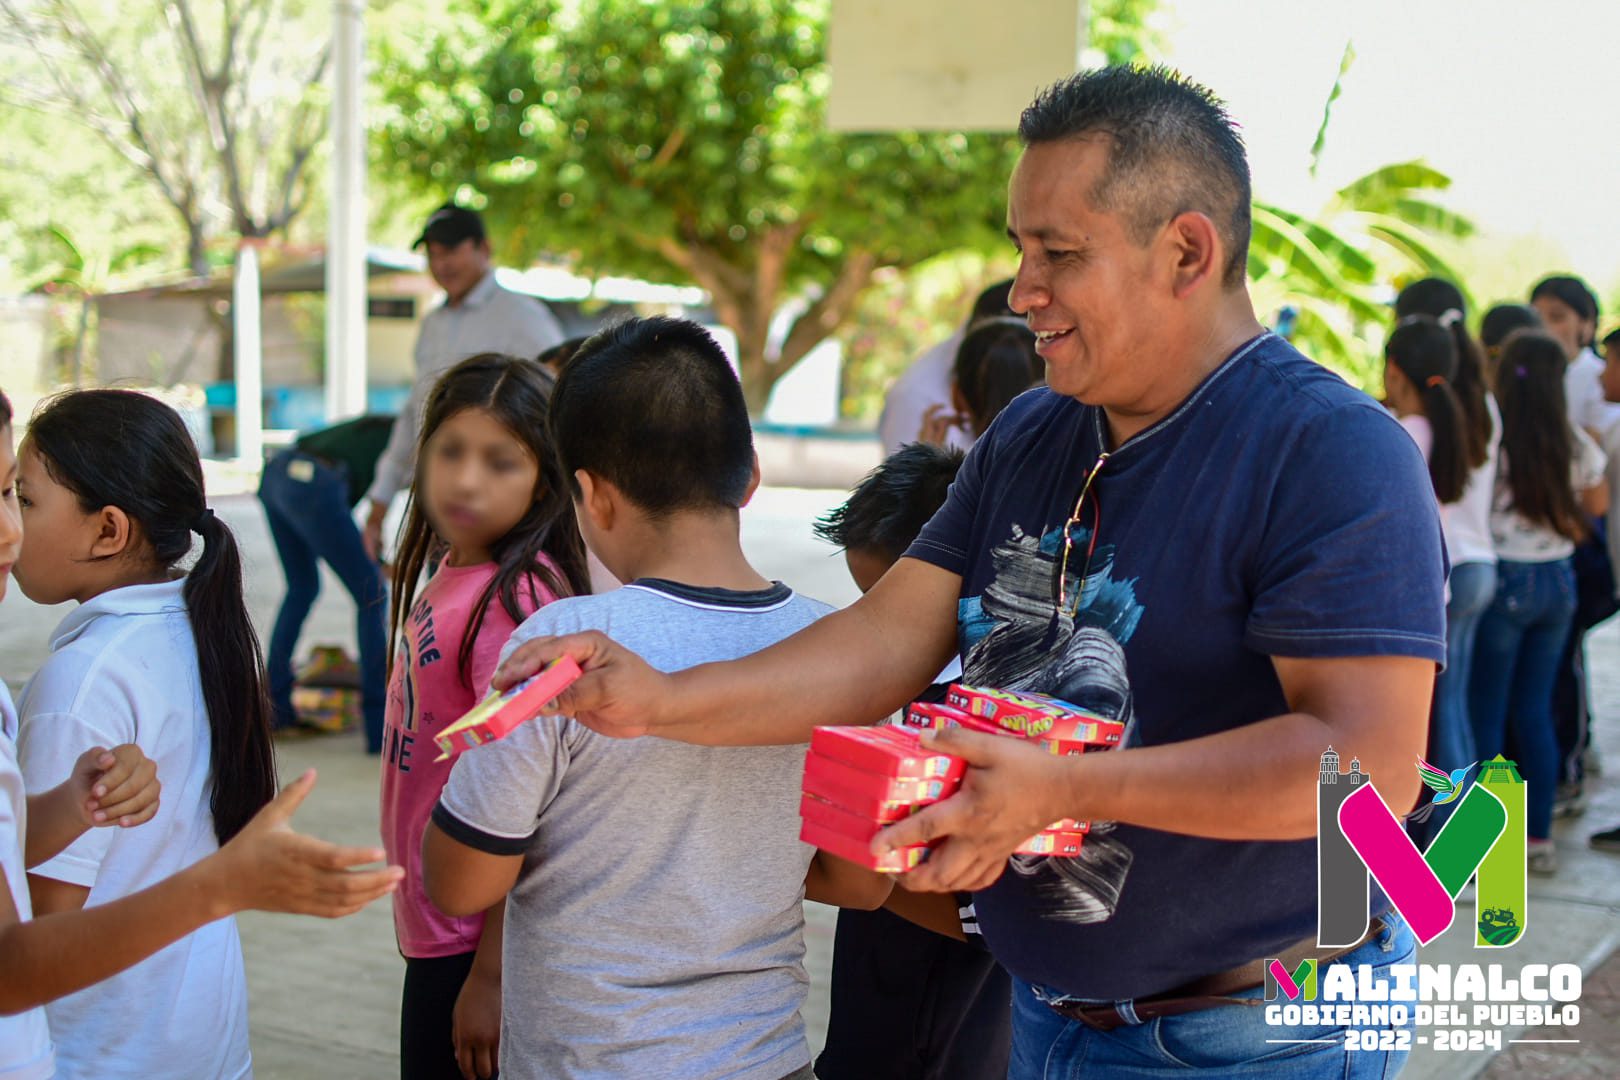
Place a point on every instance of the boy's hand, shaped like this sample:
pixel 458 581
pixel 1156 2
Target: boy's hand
pixel 115 787
pixel 1012 791
pixel 475 1025
pixel 619 695
pixel 269 867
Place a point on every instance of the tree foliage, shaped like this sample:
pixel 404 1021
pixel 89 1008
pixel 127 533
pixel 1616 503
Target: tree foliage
pixel 686 140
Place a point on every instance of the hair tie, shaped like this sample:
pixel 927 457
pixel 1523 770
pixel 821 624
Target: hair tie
pixel 200 523
pixel 1519 372
pixel 1434 380
pixel 1451 317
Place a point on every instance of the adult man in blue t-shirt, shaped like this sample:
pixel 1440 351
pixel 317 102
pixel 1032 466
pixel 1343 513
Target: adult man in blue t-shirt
pixel 1194 529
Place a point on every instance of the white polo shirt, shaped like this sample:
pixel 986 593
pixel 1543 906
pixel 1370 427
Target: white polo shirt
pixel 489 319
pixel 123 668
pixel 927 382
pixel 25 1040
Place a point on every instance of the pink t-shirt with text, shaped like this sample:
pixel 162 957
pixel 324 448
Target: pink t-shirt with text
pixel 425 695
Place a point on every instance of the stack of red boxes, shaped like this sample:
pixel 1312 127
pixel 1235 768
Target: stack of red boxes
pixel 857 780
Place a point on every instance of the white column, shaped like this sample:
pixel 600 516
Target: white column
pixel 346 223
pixel 248 351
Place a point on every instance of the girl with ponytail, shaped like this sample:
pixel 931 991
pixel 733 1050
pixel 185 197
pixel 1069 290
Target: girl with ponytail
pixel 995 363
pixel 112 499
pixel 1421 366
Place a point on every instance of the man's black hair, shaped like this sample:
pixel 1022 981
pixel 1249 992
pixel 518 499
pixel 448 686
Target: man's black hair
pixel 653 407
pixel 890 506
pixel 1173 148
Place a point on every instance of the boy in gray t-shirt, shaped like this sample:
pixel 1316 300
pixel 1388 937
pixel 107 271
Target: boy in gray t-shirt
pixel 654 918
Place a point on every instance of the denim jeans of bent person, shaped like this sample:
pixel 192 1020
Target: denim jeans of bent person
pixel 1451 744
pixel 310 522
pixel 1231 1042
pixel 1516 653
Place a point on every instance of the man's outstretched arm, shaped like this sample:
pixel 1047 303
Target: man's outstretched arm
pixel 855 666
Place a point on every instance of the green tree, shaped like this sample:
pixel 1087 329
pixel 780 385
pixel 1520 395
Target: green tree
pixel 686 141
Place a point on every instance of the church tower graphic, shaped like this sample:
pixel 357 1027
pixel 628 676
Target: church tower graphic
pixel 1342 881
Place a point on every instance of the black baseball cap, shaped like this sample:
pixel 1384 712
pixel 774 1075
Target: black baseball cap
pixel 451 225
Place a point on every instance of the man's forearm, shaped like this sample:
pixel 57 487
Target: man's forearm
pixel 855 666
pixel 1256 782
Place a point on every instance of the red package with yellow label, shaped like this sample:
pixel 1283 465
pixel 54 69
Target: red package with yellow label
pixel 1037 716
pixel 928 716
pixel 858 852
pixel 872 795
pixel 1055 843
pixel 888 751
pixel 495 716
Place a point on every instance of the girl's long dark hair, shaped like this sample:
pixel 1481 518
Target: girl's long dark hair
pixel 517 393
pixel 125 449
pixel 1441 299
pixel 994 364
pixel 1426 353
pixel 1536 436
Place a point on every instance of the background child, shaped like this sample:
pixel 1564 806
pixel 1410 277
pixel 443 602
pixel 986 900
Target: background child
pixel 111 491
pixel 907 1003
pixel 490 498
pixel 690 853
pixel 994 364
pixel 1550 479
pixel 266 865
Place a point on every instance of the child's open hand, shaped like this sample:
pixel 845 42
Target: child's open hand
pixel 115 787
pixel 269 867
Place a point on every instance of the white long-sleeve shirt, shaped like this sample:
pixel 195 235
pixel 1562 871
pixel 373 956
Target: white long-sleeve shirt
pixel 488 319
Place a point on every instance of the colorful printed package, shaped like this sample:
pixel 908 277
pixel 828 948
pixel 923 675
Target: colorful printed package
pixel 495 716
pixel 846 847
pixel 1037 716
pixel 1055 843
pixel 873 795
pixel 888 751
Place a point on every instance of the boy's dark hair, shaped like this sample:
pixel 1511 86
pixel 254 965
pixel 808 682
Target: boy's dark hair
pixel 1504 319
pixel 1444 301
pixel 654 407
pixel 995 302
pixel 125 449
pixel 891 505
pixel 1611 338
pixel 516 392
pixel 1174 149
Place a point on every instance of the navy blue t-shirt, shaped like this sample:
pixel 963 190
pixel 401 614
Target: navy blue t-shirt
pixel 1276 512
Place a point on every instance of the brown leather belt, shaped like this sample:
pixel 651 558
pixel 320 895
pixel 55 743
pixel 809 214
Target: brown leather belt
pixel 1206 992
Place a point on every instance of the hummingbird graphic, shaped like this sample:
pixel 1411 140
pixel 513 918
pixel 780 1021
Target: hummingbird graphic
pixel 1446 788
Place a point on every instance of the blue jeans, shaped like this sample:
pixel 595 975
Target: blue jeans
pixel 1516 654
pixel 1228 1041
pixel 310 521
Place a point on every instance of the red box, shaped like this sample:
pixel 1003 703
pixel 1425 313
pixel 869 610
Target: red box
pixel 888 751
pixel 933 717
pixel 496 716
pixel 1059 844
pixel 871 795
pixel 1037 716
pixel 859 853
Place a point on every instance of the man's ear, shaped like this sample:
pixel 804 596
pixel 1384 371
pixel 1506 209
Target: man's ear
pixel 753 481
pixel 114 533
pixel 1197 255
pixel 598 499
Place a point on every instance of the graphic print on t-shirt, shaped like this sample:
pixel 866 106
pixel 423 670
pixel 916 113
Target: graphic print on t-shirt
pixel 417 650
pixel 1013 637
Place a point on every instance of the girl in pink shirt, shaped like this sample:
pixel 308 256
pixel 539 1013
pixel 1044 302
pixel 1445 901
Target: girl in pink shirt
pixel 490 503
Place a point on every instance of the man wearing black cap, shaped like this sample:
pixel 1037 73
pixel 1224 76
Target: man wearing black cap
pixel 477 316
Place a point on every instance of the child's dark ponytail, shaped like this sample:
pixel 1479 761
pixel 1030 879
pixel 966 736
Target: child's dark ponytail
pixel 125 449
pixel 1426 353
pixel 1441 299
pixel 995 363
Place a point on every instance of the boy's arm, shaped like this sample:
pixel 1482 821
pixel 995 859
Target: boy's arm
pixel 461 879
pixel 841 883
pixel 266 866
pixel 936 911
pixel 475 1022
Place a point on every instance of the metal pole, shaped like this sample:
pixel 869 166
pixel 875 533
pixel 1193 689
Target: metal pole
pixel 346 224
pixel 249 355
pixel 1082 33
